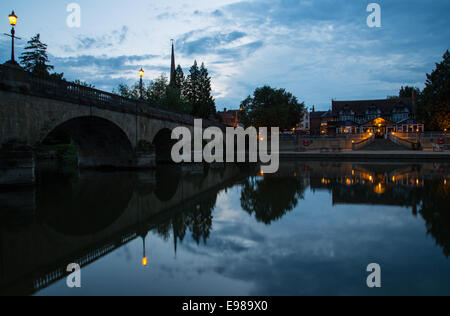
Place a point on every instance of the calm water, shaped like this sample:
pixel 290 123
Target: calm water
pixel 310 229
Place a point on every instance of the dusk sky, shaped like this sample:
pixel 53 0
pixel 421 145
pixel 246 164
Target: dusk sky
pixel 316 49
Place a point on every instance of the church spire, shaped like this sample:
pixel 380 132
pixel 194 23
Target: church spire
pixel 173 72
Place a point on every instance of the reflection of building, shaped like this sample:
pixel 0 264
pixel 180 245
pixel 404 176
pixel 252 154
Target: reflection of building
pixel 230 117
pixel 372 184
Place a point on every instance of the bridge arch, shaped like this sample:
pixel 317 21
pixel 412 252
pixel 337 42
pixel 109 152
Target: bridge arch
pixel 100 142
pixel 163 144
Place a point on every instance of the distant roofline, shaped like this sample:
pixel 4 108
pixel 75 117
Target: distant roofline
pixel 373 100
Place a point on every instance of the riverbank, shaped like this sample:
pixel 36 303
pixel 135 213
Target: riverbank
pixel 411 156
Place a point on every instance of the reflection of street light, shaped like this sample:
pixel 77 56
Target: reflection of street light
pixel 144 257
pixel 13 21
pixel 141 74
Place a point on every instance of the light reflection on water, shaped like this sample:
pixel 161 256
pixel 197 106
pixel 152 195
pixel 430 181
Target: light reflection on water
pixel 312 228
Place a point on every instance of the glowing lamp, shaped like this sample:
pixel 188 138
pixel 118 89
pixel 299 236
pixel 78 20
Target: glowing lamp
pixel 141 73
pixel 12 19
pixel 144 261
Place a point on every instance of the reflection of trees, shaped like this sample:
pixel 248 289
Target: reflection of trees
pixel 435 211
pixel 196 217
pixel 271 198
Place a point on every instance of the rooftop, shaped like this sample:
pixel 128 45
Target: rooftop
pixel 386 106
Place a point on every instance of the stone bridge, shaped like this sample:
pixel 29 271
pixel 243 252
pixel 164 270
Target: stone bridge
pixel 109 130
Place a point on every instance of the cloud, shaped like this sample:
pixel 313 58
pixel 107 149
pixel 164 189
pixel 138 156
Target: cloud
pixel 317 50
pixel 315 250
pixel 106 72
pixel 191 44
pixel 116 37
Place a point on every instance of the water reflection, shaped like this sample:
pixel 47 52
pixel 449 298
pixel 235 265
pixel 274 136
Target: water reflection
pixel 75 205
pixel 270 197
pixel 82 217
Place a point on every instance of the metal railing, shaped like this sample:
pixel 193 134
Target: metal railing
pixel 425 135
pixel 405 142
pixel 60 272
pixel 363 143
pixel 294 137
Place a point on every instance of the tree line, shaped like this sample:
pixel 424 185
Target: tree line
pixel 191 94
pixel 433 102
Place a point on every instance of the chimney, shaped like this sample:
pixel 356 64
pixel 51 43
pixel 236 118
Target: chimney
pixel 225 109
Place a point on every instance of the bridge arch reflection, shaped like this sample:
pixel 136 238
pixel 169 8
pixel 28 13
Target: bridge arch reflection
pixel 73 205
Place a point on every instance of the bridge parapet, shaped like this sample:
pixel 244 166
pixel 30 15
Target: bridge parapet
pixel 18 80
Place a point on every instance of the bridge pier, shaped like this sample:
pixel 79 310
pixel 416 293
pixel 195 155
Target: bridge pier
pixel 145 160
pixel 17 167
pixel 145 155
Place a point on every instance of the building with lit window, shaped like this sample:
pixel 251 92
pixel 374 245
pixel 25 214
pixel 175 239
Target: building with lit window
pixel 320 122
pixel 231 118
pixel 305 125
pixel 380 117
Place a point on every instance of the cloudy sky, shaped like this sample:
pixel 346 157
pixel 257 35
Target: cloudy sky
pixel 317 49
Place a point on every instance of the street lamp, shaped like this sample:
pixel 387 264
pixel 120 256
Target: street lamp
pixel 141 74
pixel 13 21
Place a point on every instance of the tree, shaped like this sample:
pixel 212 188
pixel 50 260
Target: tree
pixel 179 77
pixel 84 84
pixel 271 107
pixel 186 95
pixel 176 99
pixel 192 88
pixel 127 92
pixel 407 92
pixel 156 92
pixel 198 92
pixel 434 105
pixel 35 58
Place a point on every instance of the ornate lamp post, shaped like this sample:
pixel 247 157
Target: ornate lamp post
pixel 141 74
pixel 13 22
